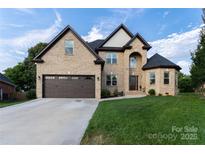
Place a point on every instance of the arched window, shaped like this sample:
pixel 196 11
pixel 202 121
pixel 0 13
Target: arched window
pixel 133 61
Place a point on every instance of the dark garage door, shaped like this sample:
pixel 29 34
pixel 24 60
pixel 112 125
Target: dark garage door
pixel 69 86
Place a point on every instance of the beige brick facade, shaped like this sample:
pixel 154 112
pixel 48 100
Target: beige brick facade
pixel 159 86
pixel 122 70
pixel 56 61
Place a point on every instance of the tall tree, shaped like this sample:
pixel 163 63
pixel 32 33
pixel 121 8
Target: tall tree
pixel 198 60
pixel 24 74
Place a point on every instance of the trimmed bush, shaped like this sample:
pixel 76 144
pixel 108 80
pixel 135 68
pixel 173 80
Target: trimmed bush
pixel 31 94
pixel 152 92
pixel 121 93
pixel 105 93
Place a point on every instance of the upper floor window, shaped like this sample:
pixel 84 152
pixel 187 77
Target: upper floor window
pixel 111 80
pixel 152 77
pixel 111 58
pixel 166 77
pixel 133 62
pixel 69 47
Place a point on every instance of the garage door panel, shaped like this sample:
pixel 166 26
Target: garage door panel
pixel 69 86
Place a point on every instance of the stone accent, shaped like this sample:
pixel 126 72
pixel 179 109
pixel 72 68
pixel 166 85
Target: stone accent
pixel 56 61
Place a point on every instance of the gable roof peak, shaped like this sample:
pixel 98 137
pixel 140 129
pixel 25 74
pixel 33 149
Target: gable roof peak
pixel 58 37
pixel 121 26
pixel 137 35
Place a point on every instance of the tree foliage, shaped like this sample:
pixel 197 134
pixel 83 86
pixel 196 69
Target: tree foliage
pixel 198 60
pixel 184 83
pixel 24 73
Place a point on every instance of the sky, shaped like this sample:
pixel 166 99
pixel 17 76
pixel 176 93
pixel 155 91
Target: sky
pixel 173 33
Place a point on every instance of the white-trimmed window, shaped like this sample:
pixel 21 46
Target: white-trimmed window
pixel 152 77
pixel 166 77
pixel 69 47
pixel 111 80
pixel 111 58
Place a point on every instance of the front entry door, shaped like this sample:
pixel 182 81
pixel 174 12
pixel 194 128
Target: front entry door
pixel 133 84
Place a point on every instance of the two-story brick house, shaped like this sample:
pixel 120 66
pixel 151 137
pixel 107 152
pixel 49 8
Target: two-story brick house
pixel 72 68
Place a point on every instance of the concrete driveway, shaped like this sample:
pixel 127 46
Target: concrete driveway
pixel 46 121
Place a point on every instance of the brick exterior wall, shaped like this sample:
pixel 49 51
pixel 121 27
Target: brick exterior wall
pixel 116 69
pixel 121 69
pixel 56 61
pixel 8 90
pixel 159 86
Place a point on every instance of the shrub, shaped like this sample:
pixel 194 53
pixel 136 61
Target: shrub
pixel 159 94
pixel 105 93
pixel 121 93
pixel 31 94
pixel 115 93
pixel 185 83
pixel 167 93
pixel 152 92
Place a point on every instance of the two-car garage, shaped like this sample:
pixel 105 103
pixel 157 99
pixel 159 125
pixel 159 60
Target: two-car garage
pixel 69 86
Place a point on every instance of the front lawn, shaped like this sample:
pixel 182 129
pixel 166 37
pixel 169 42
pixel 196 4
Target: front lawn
pixel 149 120
pixel 8 103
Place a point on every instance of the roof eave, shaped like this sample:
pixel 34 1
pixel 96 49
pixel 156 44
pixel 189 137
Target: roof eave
pixel 161 66
pixel 146 47
pixel 38 61
pixel 11 84
pixel 100 62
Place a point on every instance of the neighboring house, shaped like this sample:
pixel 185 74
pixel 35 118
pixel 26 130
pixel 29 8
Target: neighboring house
pixel 70 67
pixel 7 88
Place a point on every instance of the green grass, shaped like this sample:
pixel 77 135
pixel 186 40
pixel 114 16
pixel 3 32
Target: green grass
pixel 9 103
pixel 148 120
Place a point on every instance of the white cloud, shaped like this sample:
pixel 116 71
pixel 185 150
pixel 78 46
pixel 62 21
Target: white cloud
pixel 93 34
pixel 17 46
pixel 177 47
pixel 20 52
pixel 58 20
pixel 11 25
pixel 190 25
pixel 162 28
pixel 105 25
pixel 25 10
pixel 185 65
pixel 165 14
